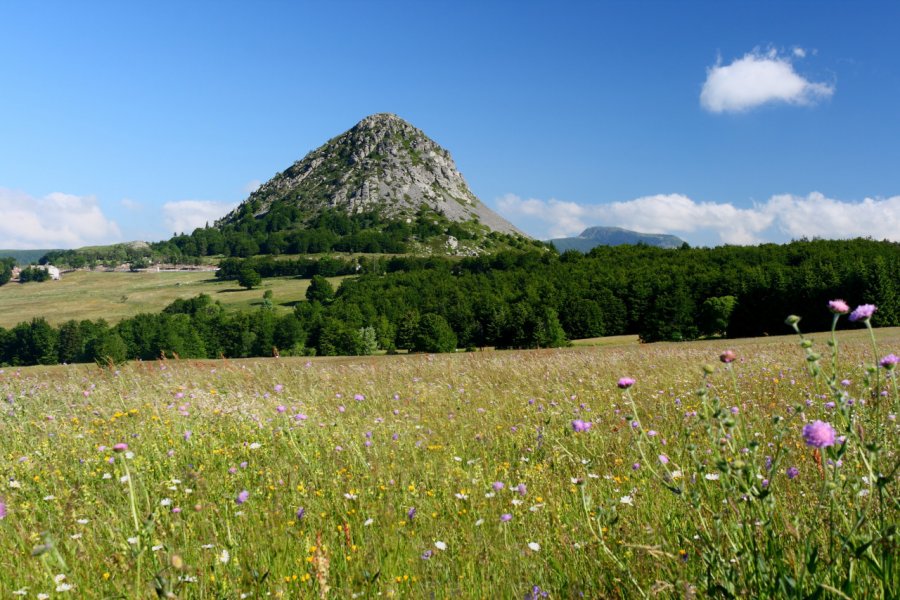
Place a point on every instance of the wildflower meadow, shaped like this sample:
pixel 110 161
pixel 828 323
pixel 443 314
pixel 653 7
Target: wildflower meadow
pixel 761 468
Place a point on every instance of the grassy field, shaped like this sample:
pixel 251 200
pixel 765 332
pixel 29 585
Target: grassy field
pixel 116 296
pixel 478 475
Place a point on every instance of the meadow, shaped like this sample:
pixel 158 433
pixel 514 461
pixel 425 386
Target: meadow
pixel 613 471
pixel 117 296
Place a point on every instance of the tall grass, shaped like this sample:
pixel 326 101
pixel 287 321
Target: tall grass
pixel 513 475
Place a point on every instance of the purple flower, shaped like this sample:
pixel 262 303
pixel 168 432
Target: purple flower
pixel 300 513
pixel 728 356
pixel 819 434
pixel 505 517
pixel 838 307
pixel 122 447
pixel 625 383
pixel 281 408
pixel 242 497
pixel 863 312
pixel 635 466
pixel 521 489
pixel 411 513
pixel 426 555
pixel 792 472
pixel 187 435
pixel 890 361
pixel 2 508
pixel 498 485
pixel 664 459
pixel 359 397
pixel 578 425
pixel 278 387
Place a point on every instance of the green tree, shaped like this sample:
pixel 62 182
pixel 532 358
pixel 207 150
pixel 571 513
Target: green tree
pixel 249 278
pixel 320 290
pixel 434 335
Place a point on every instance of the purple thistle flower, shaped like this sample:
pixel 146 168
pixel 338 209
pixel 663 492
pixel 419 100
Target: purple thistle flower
pixel 578 425
pixel 792 472
pixel 819 434
pixel 505 517
pixel 625 383
pixel 863 312
pixel 890 361
pixel 242 497
pixel 838 307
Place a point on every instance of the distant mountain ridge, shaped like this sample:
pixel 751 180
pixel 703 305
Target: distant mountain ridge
pixel 614 236
pixel 24 257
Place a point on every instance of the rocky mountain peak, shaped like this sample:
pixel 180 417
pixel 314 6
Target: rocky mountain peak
pixel 383 164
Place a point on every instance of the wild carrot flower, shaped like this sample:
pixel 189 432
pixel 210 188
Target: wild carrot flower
pixel 863 312
pixel 819 434
pixel 625 383
pixel 838 307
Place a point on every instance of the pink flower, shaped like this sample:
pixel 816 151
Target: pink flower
pixel 727 356
pixel 578 425
pixel 2 508
pixel 625 383
pixel 122 447
pixel 890 361
pixel 819 434
pixel 863 312
pixel 242 497
pixel 838 307
pixel 664 459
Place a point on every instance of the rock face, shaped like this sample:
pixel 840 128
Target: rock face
pixel 614 236
pixel 382 164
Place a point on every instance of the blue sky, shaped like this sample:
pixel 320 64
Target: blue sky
pixel 721 122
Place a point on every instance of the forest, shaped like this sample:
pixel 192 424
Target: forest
pixel 512 299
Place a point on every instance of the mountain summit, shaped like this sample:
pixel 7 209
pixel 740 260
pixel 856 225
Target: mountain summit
pixel 382 165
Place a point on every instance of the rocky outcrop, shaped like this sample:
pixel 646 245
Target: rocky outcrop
pixel 382 164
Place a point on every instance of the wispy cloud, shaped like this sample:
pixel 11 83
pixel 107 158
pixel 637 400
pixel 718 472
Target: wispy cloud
pixel 55 221
pixel 251 186
pixel 132 205
pixel 184 216
pixel 781 218
pixel 759 78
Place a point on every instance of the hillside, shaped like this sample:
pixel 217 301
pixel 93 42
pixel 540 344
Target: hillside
pixel 592 237
pixel 23 257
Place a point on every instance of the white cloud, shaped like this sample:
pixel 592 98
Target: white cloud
pixel 251 186
pixel 55 221
pixel 757 79
pixel 782 218
pixel 185 216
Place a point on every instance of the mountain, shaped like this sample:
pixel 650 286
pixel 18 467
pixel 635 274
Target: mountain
pixel 383 166
pixel 614 236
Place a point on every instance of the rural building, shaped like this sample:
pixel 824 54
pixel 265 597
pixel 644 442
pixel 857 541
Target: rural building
pixel 53 271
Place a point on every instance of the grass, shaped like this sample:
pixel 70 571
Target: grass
pixel 451 476
pixel 116 296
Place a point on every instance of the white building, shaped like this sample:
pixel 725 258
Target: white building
pixel 53 271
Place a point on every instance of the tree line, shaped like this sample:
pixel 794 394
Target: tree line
pixel 505 300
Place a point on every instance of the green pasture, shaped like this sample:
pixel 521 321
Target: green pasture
pixel 116 296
